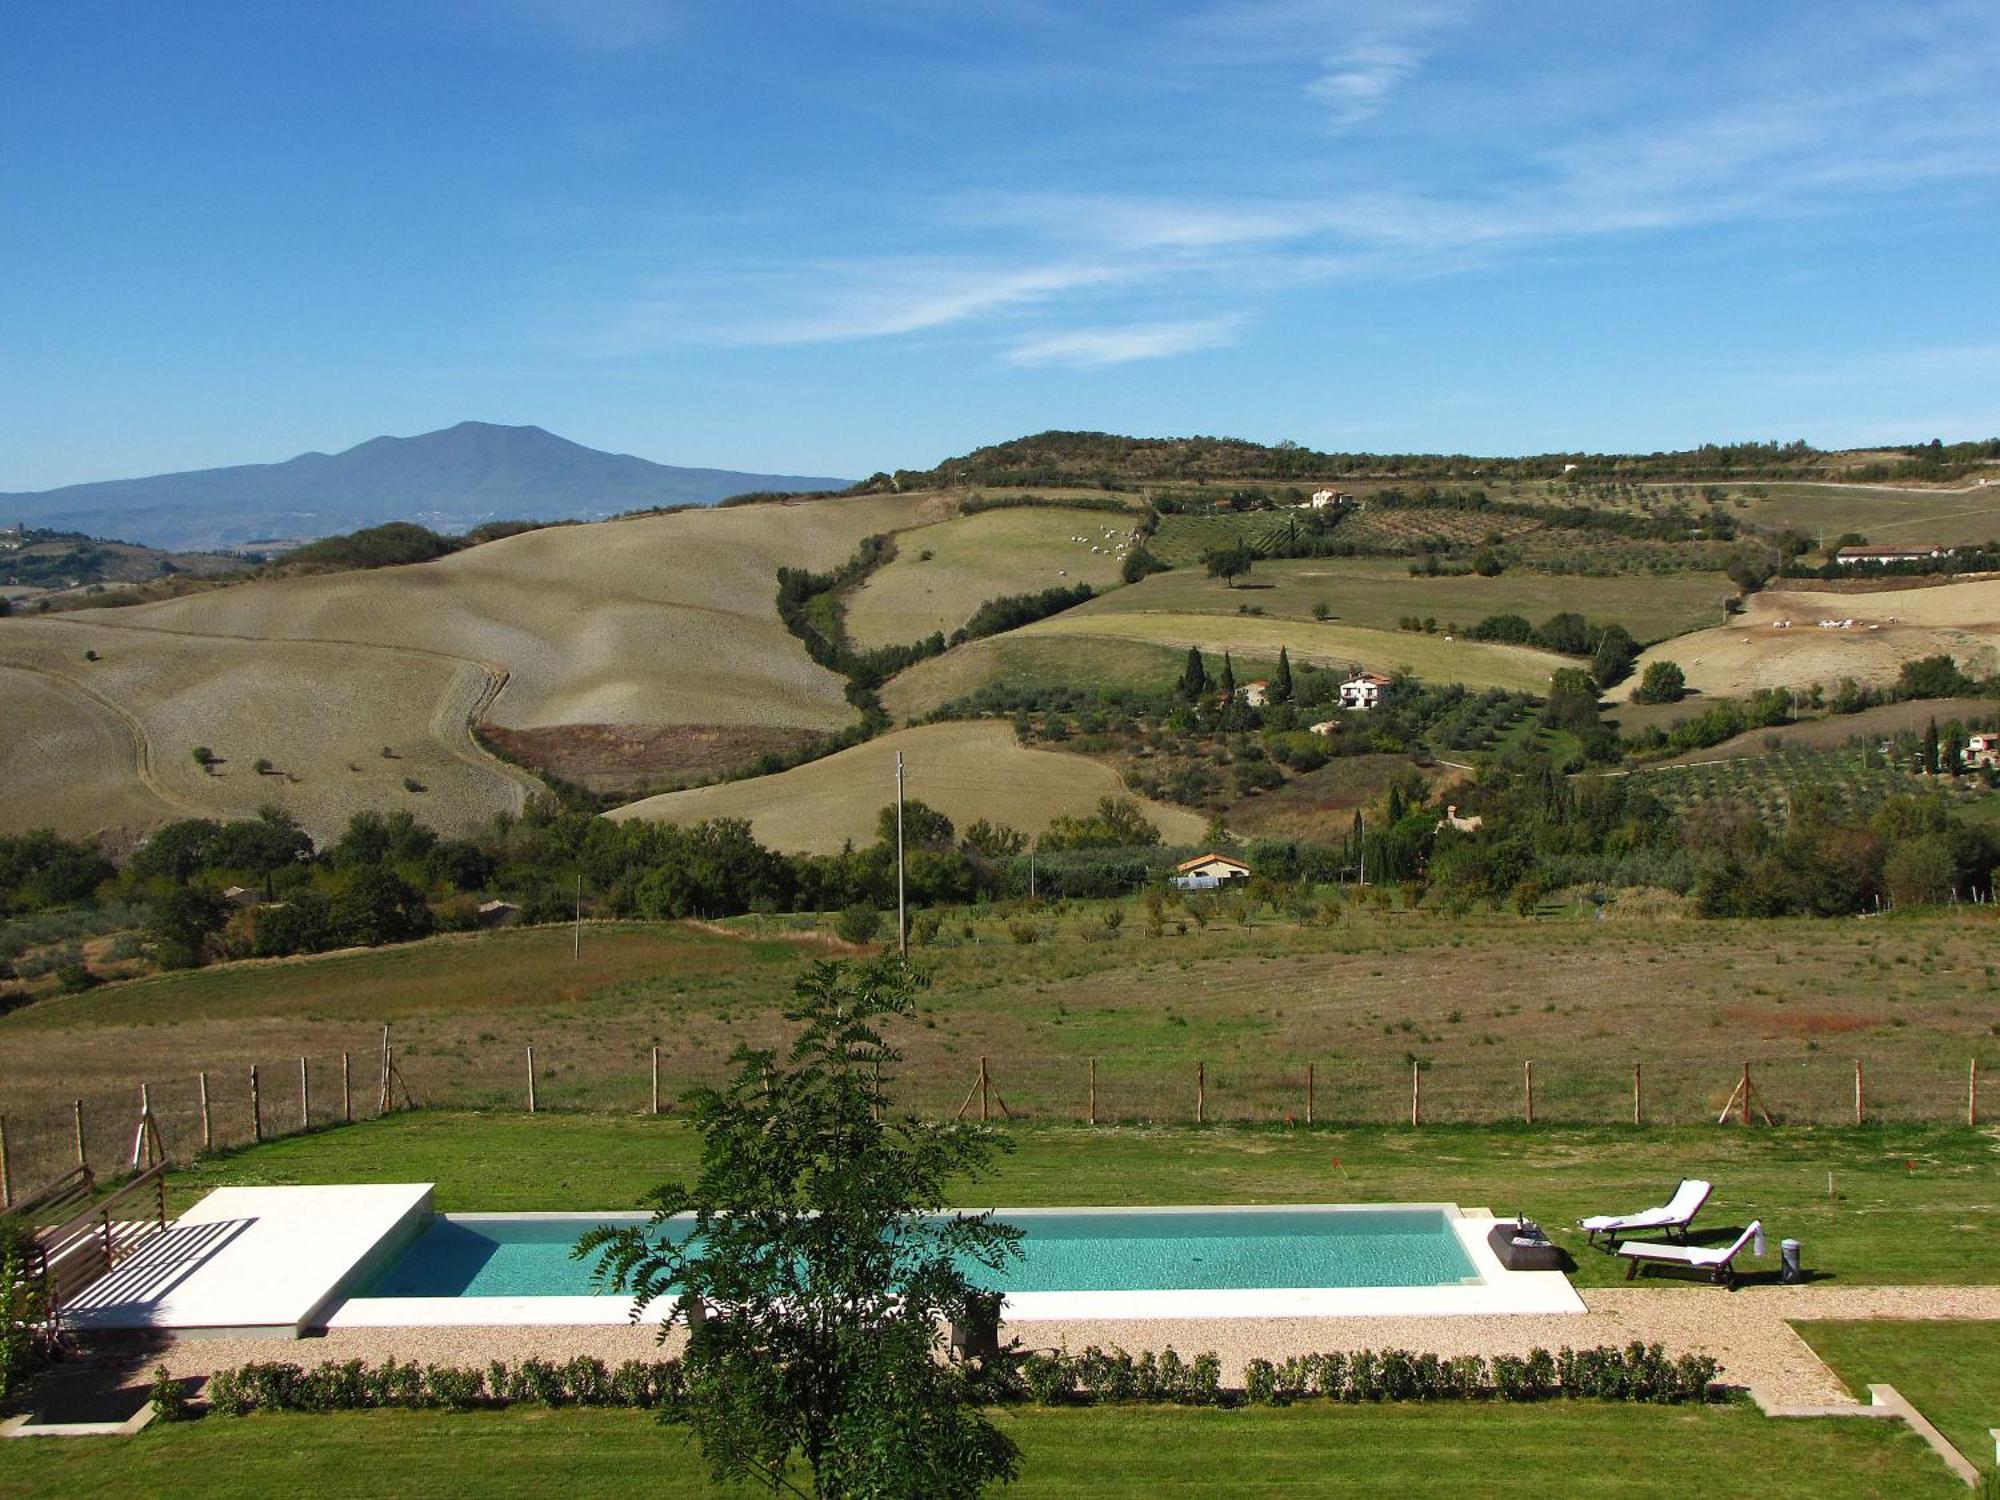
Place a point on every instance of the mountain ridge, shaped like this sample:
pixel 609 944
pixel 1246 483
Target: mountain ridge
pixel 450 480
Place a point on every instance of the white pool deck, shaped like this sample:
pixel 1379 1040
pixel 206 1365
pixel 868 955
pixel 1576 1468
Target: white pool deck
pixel 256 1262
pixel 280 1262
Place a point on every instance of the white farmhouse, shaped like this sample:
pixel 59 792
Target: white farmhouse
pixel 1363 692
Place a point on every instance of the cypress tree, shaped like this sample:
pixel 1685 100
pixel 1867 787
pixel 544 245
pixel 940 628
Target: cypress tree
pixel 1228 680
pixel 1194 676
pixel 1281 682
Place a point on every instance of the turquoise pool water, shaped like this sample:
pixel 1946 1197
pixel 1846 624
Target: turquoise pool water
pixel 1063 1251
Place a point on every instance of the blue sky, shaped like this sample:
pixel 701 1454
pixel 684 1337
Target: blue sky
pixel 830 237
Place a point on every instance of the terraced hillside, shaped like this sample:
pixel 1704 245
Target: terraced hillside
pixel 967 771
pixel 661 621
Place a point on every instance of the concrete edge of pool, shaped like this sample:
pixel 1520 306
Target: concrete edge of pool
pixel 283 1261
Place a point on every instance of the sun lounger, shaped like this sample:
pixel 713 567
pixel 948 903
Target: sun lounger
pixel 1671 1218
pixel 1718 1263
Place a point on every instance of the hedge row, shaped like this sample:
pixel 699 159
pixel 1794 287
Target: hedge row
pixel 351 1385
pixel 1095 1376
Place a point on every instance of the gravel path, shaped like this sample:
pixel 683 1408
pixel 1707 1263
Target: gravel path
pixel 1747 1331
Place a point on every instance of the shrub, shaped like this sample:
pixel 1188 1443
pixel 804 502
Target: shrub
pixel 167 1397
pixel 23 1313
pixel 858 924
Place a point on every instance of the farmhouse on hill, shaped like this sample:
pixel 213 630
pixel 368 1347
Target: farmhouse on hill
pixel 1982 750
pixel 1255 694
pixel 1880 556
pixel 1363 692
pixel 1453 821
pixel 1324 498
pixel 1207 871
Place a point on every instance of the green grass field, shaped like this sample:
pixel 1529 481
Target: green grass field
pixel 1430 657
pixel 1252 995
pixel 1380 592
pixel 942 573
pixel 1910 1205
pixel 1030 663
pixel 1570 1448
pixel 1949 1371
pixel 1883 515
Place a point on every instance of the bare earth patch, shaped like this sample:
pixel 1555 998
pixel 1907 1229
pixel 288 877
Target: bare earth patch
pixel 639 757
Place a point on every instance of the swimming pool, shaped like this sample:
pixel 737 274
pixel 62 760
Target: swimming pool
pixel 1062 1250
pixel 1323 1260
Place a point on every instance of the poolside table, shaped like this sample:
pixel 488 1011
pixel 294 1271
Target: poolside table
pixel 1522 1246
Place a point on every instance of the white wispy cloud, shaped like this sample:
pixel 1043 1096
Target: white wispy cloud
pixel 1812 140
pixel 1119 345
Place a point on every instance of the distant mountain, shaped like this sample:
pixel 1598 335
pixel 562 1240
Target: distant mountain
pixel 449 481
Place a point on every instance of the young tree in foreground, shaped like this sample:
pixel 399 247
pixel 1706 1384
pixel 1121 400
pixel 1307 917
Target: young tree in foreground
pixel 817 1239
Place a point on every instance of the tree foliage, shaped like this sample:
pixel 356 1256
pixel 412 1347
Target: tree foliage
pixel 816 1234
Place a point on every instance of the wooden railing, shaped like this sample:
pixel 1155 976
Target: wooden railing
pixel 77 1251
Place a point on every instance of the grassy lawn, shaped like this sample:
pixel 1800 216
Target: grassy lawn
pixel 1915 1204
pixel 1577 1449
pixel 1949 1370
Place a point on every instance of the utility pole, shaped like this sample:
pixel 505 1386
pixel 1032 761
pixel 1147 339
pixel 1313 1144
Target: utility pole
pixel 1361 846
pixel 576 953
pixel 1031 874
pixel 902 921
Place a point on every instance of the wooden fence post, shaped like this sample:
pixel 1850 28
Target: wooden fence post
pixel 1528 1087
pixel 207 1127
pixel 346 1089
pixel 305 1097
pixel 656 1080
pixel 82 1155
pixel 1309 1093
pixel 531 1078
pixel 1093 1091
pixel 1201 1092
pixel 1972 1094
pixel 1638 1095
pixel 6 1168
pixel 1743 1113
pixel 1859 1094
pixel 256 1107
pixel 982 1088
pixel 382 1104
pixel 1416 1093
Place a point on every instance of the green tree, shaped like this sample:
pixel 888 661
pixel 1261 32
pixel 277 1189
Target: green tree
pixel 1281 680
pixel 1663 682
pixel 994 840
pixel 1932 677
pixel 1194 676
pixel 818 1234
pixel 1229 563
pixel 1226 685
pixel 924 827
pixel 182 922
pixel 375 905
pixel 1920 871
pixel 1931 748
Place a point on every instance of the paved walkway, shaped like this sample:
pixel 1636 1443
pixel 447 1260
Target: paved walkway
pixel 1747 1331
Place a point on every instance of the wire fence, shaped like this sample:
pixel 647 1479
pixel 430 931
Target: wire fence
pixel 200 1111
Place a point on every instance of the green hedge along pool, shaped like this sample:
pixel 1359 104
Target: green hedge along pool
pixel 1062 1250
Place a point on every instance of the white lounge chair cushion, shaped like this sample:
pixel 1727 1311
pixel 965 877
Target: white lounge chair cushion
pixel 1706 1257
pixel 1683 1206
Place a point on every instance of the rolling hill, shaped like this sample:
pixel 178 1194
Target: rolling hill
pixel 449 480
pixel 966 771
pixel 661 622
